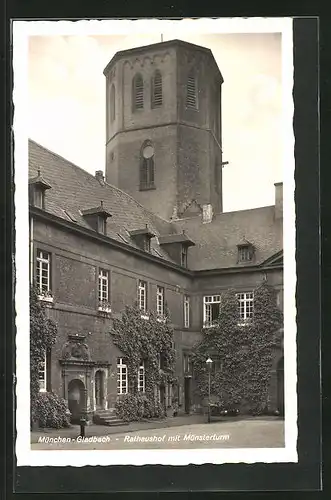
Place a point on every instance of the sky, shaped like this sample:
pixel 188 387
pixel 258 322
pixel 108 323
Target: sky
pixel 66 108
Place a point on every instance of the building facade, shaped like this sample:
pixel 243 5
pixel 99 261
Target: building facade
pixel 151 232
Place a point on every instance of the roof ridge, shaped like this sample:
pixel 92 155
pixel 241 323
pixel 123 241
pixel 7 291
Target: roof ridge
pixel 93 177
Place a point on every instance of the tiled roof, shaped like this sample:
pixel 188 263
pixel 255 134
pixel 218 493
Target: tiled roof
pixel 216 242
pixel 75 190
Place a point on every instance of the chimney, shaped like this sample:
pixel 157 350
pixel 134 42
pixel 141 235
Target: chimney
pixel 278 200
pixel 207 213
pixel 100 177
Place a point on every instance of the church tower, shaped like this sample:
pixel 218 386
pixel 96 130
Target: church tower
pixel 163 127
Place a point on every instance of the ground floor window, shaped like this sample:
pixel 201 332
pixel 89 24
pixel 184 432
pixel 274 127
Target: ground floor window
pixel 141 377
pixel 122 376
pixel 43 374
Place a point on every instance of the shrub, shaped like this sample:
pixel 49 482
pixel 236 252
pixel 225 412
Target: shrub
pixel 132 408
pixel 50 411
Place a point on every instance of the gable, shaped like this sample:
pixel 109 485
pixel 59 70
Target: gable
pixel 275 260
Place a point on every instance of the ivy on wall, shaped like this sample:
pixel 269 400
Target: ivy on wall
pixel 149 340
pixel 242 354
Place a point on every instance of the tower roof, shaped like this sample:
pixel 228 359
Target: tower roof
pixel 161 45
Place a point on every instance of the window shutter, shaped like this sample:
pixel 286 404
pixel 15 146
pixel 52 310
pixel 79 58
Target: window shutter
pixel 191 97
pixel 138 88
pixel 157 90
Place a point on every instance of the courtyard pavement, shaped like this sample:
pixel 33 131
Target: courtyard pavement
pixel 245 433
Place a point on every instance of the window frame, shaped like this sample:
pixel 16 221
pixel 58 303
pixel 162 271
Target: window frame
pixel 40 260
pixel 142 293
pixel 141 370
pixel 121 368
pixel 245 253
pixel 248 306
pixel 183 256
pixel 38 197
pixel 160 301
pixel 208 301
pixel 103 277
pixel 44 371
pixel 187 307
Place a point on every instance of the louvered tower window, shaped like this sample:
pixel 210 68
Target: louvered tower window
pixel 112 103
pixel 157 89
pixel 147 166
pixel 138 92
pixel 191 91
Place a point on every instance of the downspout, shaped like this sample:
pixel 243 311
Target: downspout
pixel 31 250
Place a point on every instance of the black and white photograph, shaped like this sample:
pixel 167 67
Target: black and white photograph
pixel 155 242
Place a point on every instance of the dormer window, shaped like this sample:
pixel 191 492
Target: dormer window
pixel 97 218
pixel 37 189
pixel 176 245
pixel 142 237
pixel 245 252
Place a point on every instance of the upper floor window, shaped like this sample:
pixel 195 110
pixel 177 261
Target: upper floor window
pixel 102 225
pixel 142 296
pixel 246 305
pixel 39 198
pixel 138 92
pixel 122 376
pixel 211 309
pixel 186 311
pixel 183 256
pixel 43 271
pixel 147 166
pixel 187 361
pixel 147 244
pixel 160 300
pixel 103 285
pixel 141 377
pixel 191 90
pixel 157 89
pixel 112 103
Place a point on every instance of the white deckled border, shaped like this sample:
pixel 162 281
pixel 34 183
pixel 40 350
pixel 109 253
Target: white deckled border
pixel 176 29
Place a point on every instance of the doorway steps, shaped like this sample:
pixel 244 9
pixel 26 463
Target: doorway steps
pixel 107 417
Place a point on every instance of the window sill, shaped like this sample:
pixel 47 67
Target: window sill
pixel 147 187
pixel 244 323
pixel 45 298
pixel 144 316
pixel 104 309
pixel 160 319
pixel 209 326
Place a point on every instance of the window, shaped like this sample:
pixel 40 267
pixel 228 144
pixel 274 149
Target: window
pixel 183 256
pixel 187 364
pixel 160 300
pixel 122 376
pixel 39 198
pixel 102 224
pixel 141 377
pixel 112 103
pixel 245 253
pixel 43 375
pixel 186 311
pixel 43 271
pixel 157 89
pixel 147 166
pixel 147 244
pixel 246 305
pixel 103 285
pixel 138 92
pixel 142 296
pixel 211 309
pixel 191 91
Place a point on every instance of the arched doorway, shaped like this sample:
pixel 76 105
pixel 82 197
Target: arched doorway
pixel 76 399
pixel 99 389
pixel 280 385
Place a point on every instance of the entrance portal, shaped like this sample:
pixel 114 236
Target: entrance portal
pixel 76 399
pixel 187 394
pixel 99 389
pixel 280 386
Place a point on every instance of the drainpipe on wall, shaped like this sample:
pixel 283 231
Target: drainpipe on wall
pixel 31 249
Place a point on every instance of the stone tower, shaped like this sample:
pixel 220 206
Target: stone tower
pixel 163 127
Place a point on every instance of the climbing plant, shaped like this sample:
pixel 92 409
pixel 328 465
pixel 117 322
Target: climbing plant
pixel 145 338
pixel 241 353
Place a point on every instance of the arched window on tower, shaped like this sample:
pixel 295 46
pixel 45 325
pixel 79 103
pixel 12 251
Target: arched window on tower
pixel 157 89
pixel 147 166
pixel 191 90
pixel 138 92
pixel 112 103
